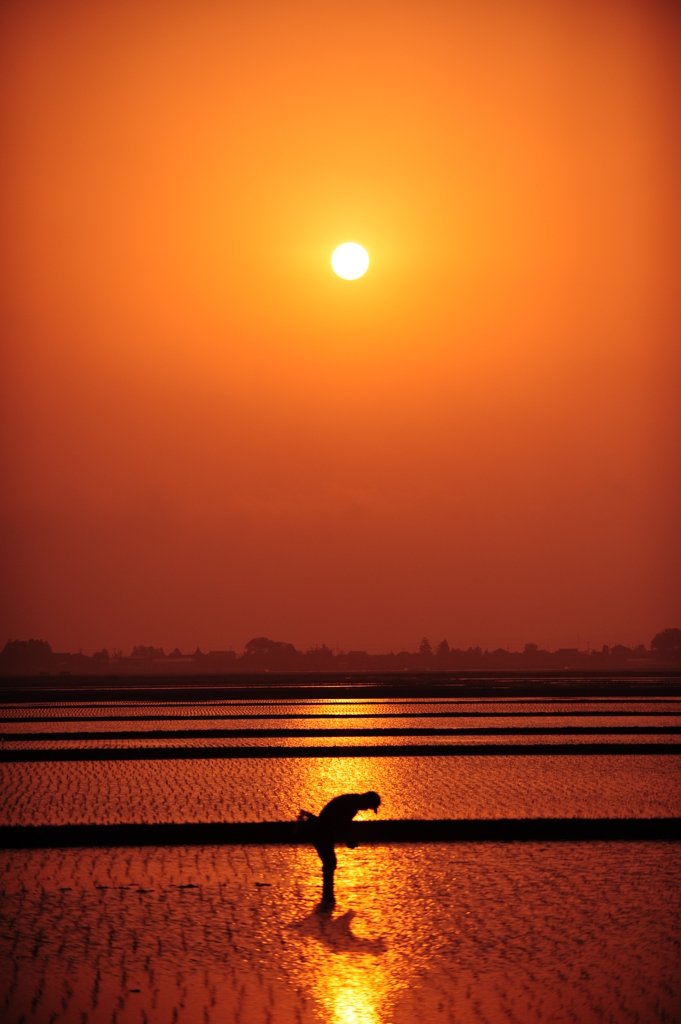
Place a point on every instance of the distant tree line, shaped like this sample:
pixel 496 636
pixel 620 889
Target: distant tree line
pixel 33 657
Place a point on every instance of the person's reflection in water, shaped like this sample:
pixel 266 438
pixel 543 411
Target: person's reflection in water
pixel 336 932
pixel 334 825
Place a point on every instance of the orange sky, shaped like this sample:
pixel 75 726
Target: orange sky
pixel 206 436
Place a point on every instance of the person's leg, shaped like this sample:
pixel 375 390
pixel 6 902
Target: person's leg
pixel 328 856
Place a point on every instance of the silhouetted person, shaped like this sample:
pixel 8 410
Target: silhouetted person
pixel 334 825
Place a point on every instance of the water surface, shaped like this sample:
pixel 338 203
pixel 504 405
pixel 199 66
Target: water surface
pixel 561 932
pixel 440 932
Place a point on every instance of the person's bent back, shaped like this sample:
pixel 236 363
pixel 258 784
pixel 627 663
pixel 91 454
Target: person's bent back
pixel 336 817
pixel 334 825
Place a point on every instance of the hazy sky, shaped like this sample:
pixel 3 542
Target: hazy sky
pixel 206 435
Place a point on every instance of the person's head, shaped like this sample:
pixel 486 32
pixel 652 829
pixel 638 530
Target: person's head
pixel 373 800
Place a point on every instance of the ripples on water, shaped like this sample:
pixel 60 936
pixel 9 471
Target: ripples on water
pixel 460 932
pixel 109 792
pixel 436 933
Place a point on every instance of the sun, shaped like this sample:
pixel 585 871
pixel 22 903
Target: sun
pixel 350 261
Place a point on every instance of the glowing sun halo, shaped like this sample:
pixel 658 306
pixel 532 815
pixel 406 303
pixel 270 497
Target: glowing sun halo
pixel 350 261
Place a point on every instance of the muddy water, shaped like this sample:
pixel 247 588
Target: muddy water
pixel 435 933
pixel 274 790
pixel 458 932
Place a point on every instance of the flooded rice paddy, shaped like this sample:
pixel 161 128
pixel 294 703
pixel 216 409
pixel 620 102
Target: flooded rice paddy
pixel 113 792
pixel 434 932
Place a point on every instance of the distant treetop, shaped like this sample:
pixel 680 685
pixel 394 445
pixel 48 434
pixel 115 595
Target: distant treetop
pixel 667 642
pixel 147 652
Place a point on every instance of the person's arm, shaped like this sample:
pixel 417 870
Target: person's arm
pixel 350 836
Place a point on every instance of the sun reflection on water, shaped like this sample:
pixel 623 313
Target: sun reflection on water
pixel 352 1003
pixel 354 987
pixel 329 777
pixel 357 959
